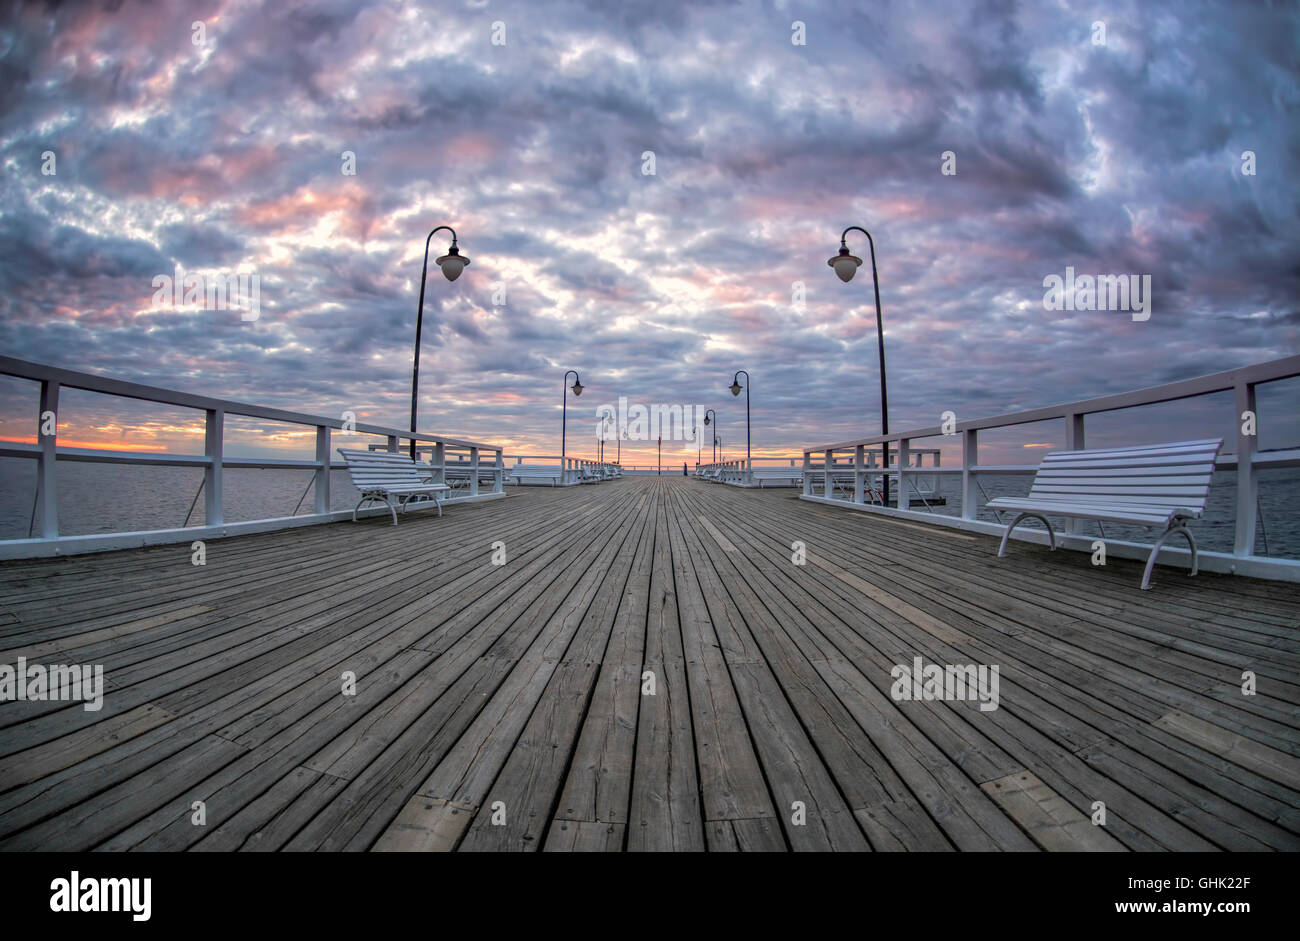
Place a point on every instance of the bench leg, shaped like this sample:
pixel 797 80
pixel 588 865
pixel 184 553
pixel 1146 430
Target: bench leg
pixel 1191 543
pixel 1051 536
pixel 1155 551
pixel 369 498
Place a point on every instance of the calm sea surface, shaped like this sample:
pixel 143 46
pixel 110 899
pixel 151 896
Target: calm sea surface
pixel 104 498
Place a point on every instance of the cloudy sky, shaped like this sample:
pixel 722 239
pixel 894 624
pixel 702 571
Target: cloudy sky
pixel 526 126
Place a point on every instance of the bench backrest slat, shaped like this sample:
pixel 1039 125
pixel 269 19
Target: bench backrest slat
pixel 375 470
pixel 1175 475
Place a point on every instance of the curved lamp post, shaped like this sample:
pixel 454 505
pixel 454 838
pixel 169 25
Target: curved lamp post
pixel 452 264
pixel 564 414
pixel 707 413
pixel 735 390
pixel 846 266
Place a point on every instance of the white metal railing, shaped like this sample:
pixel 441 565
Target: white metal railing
pixel 788 471
pixel 723 472
pixel 448 454
pixel 575 470
pixel 460 469
pixel 844 466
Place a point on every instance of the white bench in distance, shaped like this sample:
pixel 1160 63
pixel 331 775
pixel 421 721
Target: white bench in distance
pixel 781 476
pixel 542 472
pixel 1161 485
pixel 383 476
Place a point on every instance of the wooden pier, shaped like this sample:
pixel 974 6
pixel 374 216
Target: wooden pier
pixel 648 670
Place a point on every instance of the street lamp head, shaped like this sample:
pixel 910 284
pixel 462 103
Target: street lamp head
pixel 453 263
pixel 736 387
pixel 577 387
pixel 707 420
pixel 845 265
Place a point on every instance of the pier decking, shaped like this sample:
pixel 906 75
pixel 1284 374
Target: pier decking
pixel 509 707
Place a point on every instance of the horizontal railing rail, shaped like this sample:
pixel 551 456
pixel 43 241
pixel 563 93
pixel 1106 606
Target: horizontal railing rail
pixel 460 468
pixel 752 472
pixel 848 467
pixel 572 470
pixel 447 453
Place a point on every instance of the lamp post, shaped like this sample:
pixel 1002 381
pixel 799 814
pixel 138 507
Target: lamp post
pixel 735 390
pixel 564 415
pixel 605 425
pixel 846 266
pixel 452 264
pixel 714 423
pixel 698 445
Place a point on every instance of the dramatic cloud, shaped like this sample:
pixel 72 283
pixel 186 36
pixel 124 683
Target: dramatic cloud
pixel 228 155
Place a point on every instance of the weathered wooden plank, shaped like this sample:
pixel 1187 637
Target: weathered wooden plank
pixel 901 826
pixel 1269 762
pixel 426 825
pixel 1047 817
pixel 664 805
pixel 745 836
pixel 584 836
pixel 599 779
pixel 731 780
pixel 34 764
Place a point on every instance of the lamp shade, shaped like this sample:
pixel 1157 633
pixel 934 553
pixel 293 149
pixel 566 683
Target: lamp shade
pixel 452 264
pixel 845 265
pixel 736 387
pixel 577 387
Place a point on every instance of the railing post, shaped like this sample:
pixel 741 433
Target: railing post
pixel 213 445
pixel 1074 442
pixel 904 499
pixel 440 462
pixel 860 474
pixel 473 472
pixel 828 484
pixel 499 474
pixel 322 484
pixel 392 442
pixel 1247 482
pixel 47 483
pixel 807 474
pixel 969 461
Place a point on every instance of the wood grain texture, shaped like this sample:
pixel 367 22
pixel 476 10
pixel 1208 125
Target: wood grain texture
pixel 651 670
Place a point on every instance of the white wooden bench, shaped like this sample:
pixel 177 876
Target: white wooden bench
pixel 458 475
pixel 1155 485
pixel 384 476
pixel 543 472
pixel 778 476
